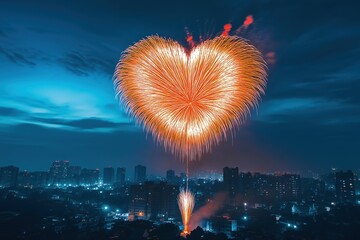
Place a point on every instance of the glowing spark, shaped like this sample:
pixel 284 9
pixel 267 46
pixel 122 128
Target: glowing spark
pixel 190 101
pixel 186 202
pixel 270 57
pixel 227 29
pixel 189 38
pixel 249 20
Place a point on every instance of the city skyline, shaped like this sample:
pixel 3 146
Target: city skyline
pixel 68 201
pixel 120 173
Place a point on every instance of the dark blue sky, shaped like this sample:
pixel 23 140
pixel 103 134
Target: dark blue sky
pixel 57 99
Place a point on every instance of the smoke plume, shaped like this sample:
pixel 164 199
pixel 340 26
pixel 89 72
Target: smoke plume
pixel 208 210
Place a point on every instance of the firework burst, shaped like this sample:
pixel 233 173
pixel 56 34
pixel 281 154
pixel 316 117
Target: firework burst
pixel 190 100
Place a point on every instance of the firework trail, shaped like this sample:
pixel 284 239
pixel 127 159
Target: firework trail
pixel 186 202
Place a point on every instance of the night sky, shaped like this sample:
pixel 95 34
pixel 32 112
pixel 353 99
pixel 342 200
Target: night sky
pixel 57 97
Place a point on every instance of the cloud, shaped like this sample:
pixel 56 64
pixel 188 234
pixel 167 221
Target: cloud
pixel 17 57
pixel 85 124
pixel 91 123
pixel 83 64
pixel 11 112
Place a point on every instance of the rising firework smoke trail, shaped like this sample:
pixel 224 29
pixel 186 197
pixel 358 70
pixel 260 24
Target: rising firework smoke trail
pixel 186 202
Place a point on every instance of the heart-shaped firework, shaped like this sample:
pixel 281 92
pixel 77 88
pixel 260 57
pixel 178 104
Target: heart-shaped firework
pixel 190 100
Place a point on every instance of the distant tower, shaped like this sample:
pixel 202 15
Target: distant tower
pixel 59 172
pixel 108 177
pixel 8 176
pixel 345 186
pixel 290 186
pixel 140 174
pixel 231 180
pixel 170 176
pixel 120 176
pixel 89 176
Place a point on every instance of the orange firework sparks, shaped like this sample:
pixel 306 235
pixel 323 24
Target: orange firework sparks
pixel 189 38
pixel 248 21
pixel 186 202
pixel 227 29
pixel 190 101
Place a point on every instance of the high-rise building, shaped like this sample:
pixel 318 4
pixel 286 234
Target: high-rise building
pixel 89 176
pixel 8 176
pixel 32 179
pixel 292 186
pixel 231 180
pixel 59 172
pixel 170 175
pixel 264 186
pixel 25 178
pixel 287 187
pixel 120 176
pixel 40 179
pixel 312 189
pixel 219 224
pixel 345 186
pixel 183 177
pixel 109 174
pixel 246 181
pixel 153 201
pixel 73 176
pixel 140 174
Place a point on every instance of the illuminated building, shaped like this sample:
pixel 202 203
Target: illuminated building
pixel 287 187
pixel 73 175
pixel 108 175
pixel 8 176
pixel 221 224
pixel 245 183
pixel 140 174
pixel 89 176
pixel 170 176
pixel 59 172
pixel 345 186
pixel 153 201
pixel 33 179
pixel 120 176
pixel 231 180
pixel 40 178
pixel 24 178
